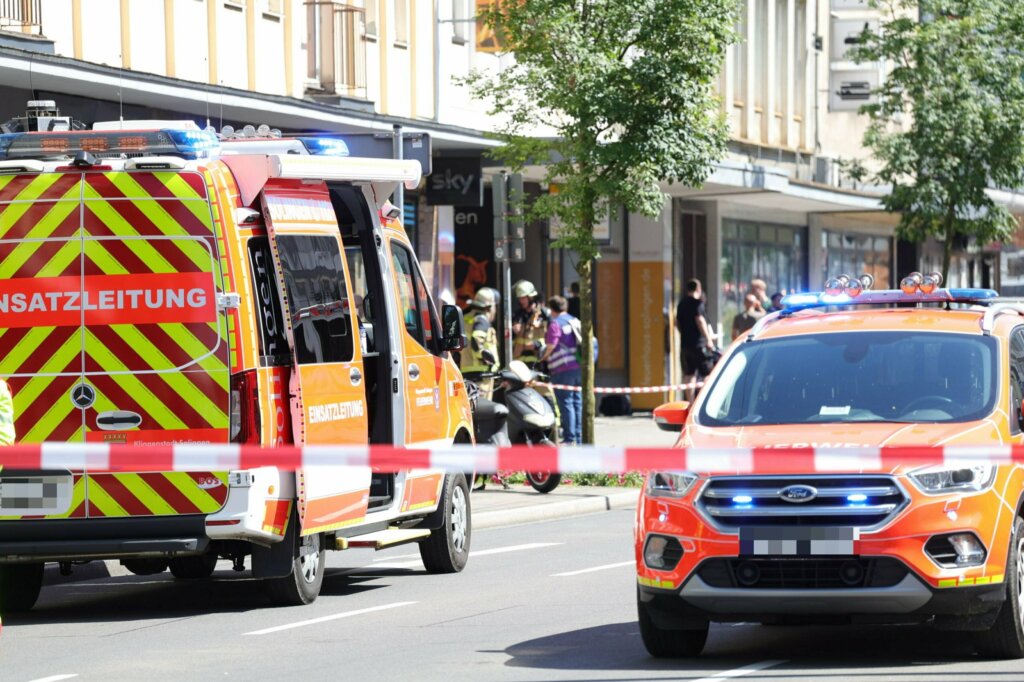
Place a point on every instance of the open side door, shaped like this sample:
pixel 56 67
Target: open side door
pixel 327 397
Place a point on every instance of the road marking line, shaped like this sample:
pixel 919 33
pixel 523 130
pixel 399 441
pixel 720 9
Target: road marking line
pixel 591 570
pixel 324 619
pixel 472 553
pixel 55 678
pixel 740 672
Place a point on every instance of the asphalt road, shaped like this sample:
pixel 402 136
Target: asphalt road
pixel 544 601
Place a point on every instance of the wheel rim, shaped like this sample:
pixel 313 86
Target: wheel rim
pixel 1020 581
pixel 309 558
pixel 540 477
pixel 459 518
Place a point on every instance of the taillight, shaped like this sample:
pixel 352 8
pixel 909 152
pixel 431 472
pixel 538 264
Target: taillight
pixel 245 422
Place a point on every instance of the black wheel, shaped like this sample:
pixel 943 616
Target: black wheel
pixel 302 586
pixel 668 643
pixel 1005 639
pixel 543 481
pixel 193 567
pixel 19 586
pixel 447 548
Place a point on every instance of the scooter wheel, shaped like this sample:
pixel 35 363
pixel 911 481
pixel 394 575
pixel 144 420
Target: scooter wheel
pixel 543 481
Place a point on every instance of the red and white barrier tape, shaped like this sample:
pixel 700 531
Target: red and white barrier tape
pixel 586 459
pixel 628 389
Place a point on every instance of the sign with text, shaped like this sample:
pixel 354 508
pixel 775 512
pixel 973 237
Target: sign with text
pixel 456 181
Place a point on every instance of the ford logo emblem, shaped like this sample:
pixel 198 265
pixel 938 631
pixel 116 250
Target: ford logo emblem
pixel 798 493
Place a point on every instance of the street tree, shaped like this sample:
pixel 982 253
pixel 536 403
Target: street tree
pixel 948 124
pixel 625 89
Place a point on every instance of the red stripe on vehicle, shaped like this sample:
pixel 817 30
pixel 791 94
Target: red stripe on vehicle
pixel 128 209
pixel 120 494
pixel 55 191
pixel 31 218
pixel 167 248
pixel 155 187
pixel 45 349
pixel 220 493
pixel 170 494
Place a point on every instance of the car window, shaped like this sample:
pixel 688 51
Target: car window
pixel 856 377
pixel 417 310
pixel 318 301
pixel 1016 378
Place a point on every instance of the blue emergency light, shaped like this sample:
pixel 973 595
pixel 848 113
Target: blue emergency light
pixel 795 302
pixel 110 144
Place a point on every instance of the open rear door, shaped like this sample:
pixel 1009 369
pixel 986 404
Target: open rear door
pixel 327 396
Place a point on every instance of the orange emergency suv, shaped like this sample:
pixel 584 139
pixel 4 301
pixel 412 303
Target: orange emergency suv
pixel 857 369
pixel 164 285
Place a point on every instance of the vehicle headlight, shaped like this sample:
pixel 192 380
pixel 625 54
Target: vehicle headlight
pixel 669 483
pixel 943 478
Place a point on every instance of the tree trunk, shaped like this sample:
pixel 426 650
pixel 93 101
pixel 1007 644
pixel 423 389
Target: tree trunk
pixel 585 269
pixel 947 250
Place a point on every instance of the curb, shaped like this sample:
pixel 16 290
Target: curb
pixel 555 510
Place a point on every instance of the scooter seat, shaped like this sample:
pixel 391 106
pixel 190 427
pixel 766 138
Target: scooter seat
pixel 488 410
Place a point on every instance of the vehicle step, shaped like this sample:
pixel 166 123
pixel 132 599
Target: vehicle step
pixel 387 538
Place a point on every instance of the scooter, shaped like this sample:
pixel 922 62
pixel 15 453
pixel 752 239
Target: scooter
pixel 517 415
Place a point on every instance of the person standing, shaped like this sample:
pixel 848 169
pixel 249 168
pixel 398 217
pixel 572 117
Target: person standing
pixel 562 340
pixel 759 288
pixel 529 324
pixel 6 414
pixel 694 334
pixel 574 299
pixel 752 312
pixel 482 354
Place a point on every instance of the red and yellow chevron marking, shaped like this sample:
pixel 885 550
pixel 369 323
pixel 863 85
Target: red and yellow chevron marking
pixel 157 493
pixel 172 373
pixel 275 516
pixel 77 510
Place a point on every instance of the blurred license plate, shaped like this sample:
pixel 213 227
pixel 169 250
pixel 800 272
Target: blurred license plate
pixel 797 541
pixel 34 494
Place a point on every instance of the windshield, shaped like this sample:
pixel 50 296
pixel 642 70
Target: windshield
pixel 855 377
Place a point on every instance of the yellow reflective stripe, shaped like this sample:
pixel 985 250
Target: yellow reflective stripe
pixel 157 505
pixel 68 253
pixel 656 582
pixel 40 184
pixel 947 582
pixel 44 227
pixel 182 386
pixel 199 497
pixel 60 410
pixel 193 346
pixel 178 187
pixel 14 358
pixel 132 385
pixel 101 499
pixel 98 254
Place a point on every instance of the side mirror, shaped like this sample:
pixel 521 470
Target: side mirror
pixel 672 416
pixel 454 331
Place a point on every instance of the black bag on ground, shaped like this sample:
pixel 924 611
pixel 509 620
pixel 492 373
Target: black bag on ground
pixel 616 405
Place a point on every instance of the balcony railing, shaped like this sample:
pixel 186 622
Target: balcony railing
pixel 21 16
pixel 336 48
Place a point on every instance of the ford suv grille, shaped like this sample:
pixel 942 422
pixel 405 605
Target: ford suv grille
pixel 852 501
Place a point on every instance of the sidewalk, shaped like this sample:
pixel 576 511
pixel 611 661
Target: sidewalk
pixel 522 504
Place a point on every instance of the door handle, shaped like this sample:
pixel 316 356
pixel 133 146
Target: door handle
pixel 414 371
pixel 355 376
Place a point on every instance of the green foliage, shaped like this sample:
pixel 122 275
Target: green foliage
pixel 623 92
pixel 949 122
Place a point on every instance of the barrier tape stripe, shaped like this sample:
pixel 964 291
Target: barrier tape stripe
pixel 466 458
pixel 626 389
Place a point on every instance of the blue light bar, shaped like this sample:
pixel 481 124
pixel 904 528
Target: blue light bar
pixel 795 302
pixel 194 144
pixel 325 146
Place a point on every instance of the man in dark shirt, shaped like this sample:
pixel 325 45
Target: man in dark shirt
pixel 694 333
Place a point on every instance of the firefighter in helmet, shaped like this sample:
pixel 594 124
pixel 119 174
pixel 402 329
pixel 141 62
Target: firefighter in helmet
pixel 529 324
pixel 482 354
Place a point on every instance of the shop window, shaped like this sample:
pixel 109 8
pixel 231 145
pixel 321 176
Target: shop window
pixel 854 254
pixel 775 253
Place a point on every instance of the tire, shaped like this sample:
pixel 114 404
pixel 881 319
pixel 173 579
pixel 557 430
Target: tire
pixel 668 643
pixel 1005 639
pixel 302 585
pixel 19 586
pixel 446 550
pixel 193 567
pixel 542 481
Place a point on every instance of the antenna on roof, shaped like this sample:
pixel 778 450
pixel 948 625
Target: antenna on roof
pixel 120 96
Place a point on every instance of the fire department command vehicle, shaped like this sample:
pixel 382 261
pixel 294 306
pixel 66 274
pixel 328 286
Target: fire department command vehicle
pixel 163 286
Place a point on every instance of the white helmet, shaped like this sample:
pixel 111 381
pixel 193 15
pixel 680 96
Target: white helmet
pixel 486 297
pixel 524 288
